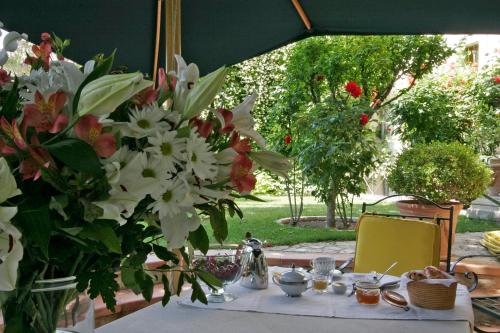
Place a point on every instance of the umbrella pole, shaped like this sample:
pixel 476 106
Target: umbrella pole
pixel 157 41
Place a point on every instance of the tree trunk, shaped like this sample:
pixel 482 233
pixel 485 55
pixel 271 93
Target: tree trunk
pixel 331 207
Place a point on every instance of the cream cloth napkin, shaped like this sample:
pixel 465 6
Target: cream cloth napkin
pixel 273 300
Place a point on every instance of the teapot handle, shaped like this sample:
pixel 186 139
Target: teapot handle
pixel 274 280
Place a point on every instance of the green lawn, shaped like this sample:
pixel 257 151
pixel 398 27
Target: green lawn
pixel 259 219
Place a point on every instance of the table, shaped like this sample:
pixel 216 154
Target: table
pixel 175 318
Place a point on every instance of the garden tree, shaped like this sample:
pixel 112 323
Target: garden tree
pixel 336 152
pixel 264 75
pixel 456 104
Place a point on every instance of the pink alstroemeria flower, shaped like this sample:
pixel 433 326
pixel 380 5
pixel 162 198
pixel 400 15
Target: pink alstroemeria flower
pixel 39 158
pixel 45 115
pixel 12 132
pixel 240 146
pixel 166 82
pixel 228 121
pixel 204 127
pixel 241 174
pixel 145 97
pixel 41 56
pixel 89 130
pixel 4 77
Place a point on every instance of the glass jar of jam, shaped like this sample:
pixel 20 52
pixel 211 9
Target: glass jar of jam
pixel 367 292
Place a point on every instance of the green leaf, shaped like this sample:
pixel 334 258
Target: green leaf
pixel 209 279
pixel 203 93
pixel 77 154
pixel 58 203
pixel 103 68
pixel 35 224
pixel 146 283
pixel 9 107
pixel 180 283
pixel 183 132
pixel 166 296
pixel 199 239
pixel 72 231
pixel 248 197
pixel 164 254
pixel 198 293
pixel 127 275
pixel 218 223
pixel 100 282
pixel 102 232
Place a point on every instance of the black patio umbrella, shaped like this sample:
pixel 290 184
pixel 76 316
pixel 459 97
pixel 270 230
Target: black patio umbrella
pixel 222 32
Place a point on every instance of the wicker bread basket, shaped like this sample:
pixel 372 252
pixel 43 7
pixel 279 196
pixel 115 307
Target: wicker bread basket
pixel 432 296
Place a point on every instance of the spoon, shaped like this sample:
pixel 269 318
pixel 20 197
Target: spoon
pixel 387 285
pixel 387 270
pixel 395 299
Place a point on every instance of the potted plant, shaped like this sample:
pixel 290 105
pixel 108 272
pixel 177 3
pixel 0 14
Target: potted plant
pixel 446 173
pixel 97 170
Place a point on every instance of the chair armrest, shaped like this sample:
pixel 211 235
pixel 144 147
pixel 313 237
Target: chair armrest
pixel 470 275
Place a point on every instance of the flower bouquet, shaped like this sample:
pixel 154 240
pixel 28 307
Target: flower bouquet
pixel 98 169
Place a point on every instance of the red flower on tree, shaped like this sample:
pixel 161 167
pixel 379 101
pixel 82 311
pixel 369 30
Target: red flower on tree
pixel 240 146
pixel 288 139
pixel 89 130
pixel 45 115
pixel 241 174
pixel 496 79
pixel 353 89
pixel 363 119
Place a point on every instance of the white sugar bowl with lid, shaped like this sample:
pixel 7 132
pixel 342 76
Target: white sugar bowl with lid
pixel 293 282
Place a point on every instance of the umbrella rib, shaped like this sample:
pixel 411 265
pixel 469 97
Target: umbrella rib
pixel 302 14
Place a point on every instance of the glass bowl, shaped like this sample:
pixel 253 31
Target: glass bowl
pixel 226 268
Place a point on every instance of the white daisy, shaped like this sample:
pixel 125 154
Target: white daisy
pixel 146 121
pixel 169 149
pixel 170 198
pixel 199 157
pixel 144 175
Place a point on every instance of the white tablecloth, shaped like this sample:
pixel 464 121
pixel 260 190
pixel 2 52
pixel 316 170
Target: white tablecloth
pixel 175 318
pixel 181 318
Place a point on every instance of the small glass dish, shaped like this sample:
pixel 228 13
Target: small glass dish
pixel 368 292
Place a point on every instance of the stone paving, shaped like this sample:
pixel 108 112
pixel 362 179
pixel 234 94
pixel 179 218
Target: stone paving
pixel 466 243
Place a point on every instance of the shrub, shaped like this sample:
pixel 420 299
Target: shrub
pixel 441 172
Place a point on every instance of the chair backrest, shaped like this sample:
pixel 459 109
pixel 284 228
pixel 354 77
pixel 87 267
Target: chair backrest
pixel 382 240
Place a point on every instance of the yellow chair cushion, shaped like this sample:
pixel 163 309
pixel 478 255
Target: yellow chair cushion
pixel 380 241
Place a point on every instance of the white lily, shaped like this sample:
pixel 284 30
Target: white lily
pixel 11 249
pixel 176 228
pixel 225 160
pixel 243 121
pixel 8 186
pixel 103 95
pixel 120 205
pixel 272 161
pixel 11 252
pixel 187 77
pixel 10 41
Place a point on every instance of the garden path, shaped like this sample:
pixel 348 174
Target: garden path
pixel 465 243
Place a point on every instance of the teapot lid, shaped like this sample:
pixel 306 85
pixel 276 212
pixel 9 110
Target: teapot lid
pixel 293 276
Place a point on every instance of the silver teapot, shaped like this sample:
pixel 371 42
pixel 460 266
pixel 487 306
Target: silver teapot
pixel 254 271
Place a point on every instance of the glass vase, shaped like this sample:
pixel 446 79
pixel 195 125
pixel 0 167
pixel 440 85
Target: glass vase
pixel 60 308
